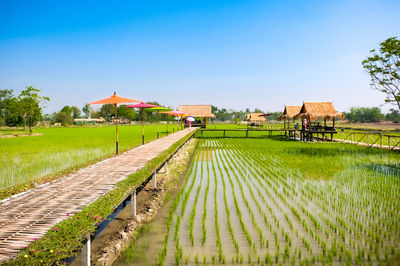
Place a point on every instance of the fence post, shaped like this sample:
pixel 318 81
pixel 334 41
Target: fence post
pixel 85 261
pixel 367 137
pixel 247 133
pixel 381 140
pixel 224 133
pixel 166 166
pixel 389 142
pixel 133 209
pixel 154 180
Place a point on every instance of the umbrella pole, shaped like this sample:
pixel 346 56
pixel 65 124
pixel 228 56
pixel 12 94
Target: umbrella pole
pixel 116 129
pixel 142 129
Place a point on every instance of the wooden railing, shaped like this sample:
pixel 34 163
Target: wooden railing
pixel 371 139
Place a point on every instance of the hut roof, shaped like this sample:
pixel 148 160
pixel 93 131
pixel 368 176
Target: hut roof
pixel 289 112
pixel 197 110
pixel 315 110
pixel 255 117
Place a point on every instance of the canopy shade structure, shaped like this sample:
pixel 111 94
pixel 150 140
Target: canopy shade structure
pixel 197 110
pixel 316 110
pixel 115 99
pixel 159 109
pixel 142 105
pixel 255 118
pixel 174 113
pixel 289 112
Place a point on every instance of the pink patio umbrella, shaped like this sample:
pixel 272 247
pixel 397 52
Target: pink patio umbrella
pixel 174 113
pixel 142 106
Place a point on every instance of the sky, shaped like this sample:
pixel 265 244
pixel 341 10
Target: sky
pixel 233 54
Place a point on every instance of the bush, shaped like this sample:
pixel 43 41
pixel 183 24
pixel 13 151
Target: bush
pixel 64 118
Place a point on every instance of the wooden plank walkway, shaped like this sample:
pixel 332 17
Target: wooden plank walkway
pixel 32 214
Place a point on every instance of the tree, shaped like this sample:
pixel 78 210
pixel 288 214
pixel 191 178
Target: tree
pixel 107 111
pixel 128 113
pixel 87 110
pixel 364 114
pixel 7 101
pixel 64 118
pixel 76 112
pixel 67 109
pixel 394 116
pixel 30 110
pixel 384 68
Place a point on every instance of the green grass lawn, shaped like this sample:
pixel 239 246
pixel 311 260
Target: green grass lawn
pixel 60 150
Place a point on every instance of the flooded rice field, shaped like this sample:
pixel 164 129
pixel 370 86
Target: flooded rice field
pixel 254 202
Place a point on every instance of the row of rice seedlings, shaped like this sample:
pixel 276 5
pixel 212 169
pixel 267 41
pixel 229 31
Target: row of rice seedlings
pixel 255 223
pixel 259 207
pixel 203 219
pixel 228 215
pixel 193 213
pixel 238 210
pixel 163 253
pixel 221 256
pixel 285 235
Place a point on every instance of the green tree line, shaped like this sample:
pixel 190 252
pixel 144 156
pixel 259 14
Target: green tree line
pixel 23 109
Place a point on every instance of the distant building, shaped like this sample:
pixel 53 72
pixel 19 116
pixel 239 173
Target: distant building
pixel 90 121
pixel 198 111
pixel 255 118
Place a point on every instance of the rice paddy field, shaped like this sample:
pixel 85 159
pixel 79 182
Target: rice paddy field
pixel 272 201
pixel 55 151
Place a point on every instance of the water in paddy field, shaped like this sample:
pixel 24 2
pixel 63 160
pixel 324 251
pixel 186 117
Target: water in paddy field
pixel 243 204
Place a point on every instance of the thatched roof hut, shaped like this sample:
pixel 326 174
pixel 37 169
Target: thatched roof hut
pixel 316 110
pixel 289 112
pixel 255 118
pixel 197 110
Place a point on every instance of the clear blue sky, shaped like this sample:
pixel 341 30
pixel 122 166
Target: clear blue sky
pixel 232 54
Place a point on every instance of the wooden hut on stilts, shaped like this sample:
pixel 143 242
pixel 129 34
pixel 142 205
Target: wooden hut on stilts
pixel 255 119
pixel 288 114
pixel 202 113
pixel 310 112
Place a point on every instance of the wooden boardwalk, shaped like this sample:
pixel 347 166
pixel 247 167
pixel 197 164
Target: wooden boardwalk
pixel 31 214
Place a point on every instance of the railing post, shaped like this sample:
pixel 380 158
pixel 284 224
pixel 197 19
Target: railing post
pixel 154 180
pixel 166 167
pixel 85 261
pixel 133 203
